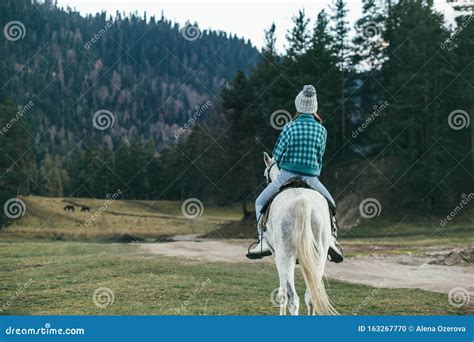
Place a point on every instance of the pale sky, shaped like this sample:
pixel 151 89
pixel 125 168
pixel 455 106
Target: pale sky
pixel 245 18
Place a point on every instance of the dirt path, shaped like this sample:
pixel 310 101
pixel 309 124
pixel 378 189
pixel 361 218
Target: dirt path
pixel 389 271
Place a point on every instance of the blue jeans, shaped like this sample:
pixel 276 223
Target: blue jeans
pixel 273 188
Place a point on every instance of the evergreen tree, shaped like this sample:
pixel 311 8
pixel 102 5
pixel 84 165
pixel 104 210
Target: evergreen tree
pixel 298 37
pixel 368 45
pixel 368 55
pixel 461 45
pixel 323 65
pixel 415 74
pixel 17 169
pixel 269 49
pixel 340 48
pixel 321 39
pixel 123 169
pixel 50 177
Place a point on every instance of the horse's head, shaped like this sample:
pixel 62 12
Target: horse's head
pixel 271 168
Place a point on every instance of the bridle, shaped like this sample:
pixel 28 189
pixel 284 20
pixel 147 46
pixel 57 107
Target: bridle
pixel 269 169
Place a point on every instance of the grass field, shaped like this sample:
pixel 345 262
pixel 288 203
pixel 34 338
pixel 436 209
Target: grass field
pixel 121 221
pixel 51 263
pixel 64 276
pixel 130 220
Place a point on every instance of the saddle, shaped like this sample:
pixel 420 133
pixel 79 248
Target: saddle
pixel 292 183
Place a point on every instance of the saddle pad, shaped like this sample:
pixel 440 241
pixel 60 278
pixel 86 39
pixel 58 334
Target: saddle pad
pixel 292 183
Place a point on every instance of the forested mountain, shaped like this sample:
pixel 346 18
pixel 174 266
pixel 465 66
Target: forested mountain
pixel 397 100
pixel 148 72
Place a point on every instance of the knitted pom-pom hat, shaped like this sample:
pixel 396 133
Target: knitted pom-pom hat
pixel 306 101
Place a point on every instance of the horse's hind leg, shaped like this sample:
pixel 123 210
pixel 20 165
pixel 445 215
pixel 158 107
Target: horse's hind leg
pixel 287 292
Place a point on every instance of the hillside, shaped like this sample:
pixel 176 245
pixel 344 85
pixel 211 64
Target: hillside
pixel 111 221
pixel 148 72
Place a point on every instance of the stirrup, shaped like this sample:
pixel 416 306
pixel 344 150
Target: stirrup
pixel 254 256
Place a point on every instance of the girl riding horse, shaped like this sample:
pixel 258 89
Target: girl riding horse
pixel 299 153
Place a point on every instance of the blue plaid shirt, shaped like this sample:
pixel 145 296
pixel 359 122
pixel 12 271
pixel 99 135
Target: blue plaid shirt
pixel 300 146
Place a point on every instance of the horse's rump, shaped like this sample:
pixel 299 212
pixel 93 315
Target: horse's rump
pixel 299 227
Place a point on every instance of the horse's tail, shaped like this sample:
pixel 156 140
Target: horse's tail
pixel 311 258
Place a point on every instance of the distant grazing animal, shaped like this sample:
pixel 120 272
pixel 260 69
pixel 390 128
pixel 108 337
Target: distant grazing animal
pixel 69 208
pixel 84 208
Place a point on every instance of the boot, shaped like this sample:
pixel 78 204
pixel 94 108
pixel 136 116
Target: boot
pixel 335 251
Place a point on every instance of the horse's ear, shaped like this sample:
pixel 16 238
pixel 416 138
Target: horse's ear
pixel 267 159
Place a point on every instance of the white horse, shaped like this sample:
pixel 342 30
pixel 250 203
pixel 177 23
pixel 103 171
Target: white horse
pixel 299 227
